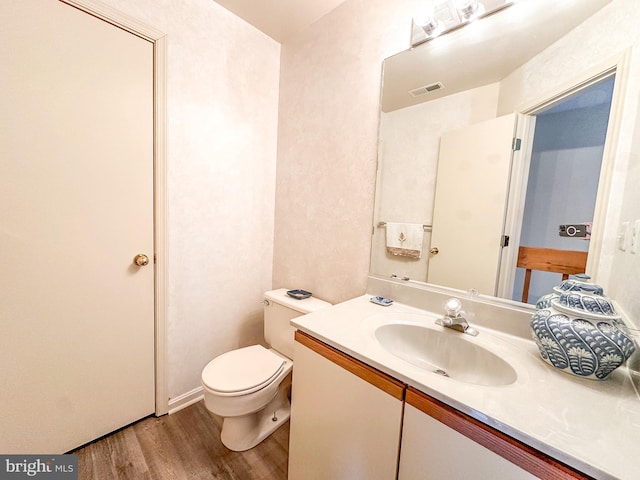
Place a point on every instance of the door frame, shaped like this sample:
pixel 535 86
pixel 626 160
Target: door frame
pixel 160 207
pixel 618 66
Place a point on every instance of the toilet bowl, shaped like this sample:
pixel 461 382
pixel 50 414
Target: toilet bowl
pixel 249 387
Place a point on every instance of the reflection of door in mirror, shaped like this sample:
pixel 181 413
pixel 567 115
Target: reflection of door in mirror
pixel 562 186
pixel 470 204
pixel 561 182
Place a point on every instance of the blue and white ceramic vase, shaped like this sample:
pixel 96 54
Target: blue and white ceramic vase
pixel 579 333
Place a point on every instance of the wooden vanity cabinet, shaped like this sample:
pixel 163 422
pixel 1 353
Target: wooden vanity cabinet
pixel 346 417
pixel 350 421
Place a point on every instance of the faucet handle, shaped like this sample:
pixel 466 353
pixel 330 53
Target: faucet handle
pixel 453 318
pixel 453 307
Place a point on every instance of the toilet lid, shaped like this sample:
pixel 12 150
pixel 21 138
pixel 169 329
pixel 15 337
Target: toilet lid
pixel 242 371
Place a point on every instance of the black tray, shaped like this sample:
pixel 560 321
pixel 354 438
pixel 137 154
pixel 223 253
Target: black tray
pixel 299 294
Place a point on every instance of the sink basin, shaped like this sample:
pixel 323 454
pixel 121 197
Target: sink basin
pixel 446 353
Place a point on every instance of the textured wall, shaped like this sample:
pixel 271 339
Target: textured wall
pixel 327 145
pixel 223 80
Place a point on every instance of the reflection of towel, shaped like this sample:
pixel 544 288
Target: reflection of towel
pixel 405 239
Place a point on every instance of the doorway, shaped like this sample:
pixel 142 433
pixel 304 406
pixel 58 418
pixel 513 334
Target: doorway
pixel 562 186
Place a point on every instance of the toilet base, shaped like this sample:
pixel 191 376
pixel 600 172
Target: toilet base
pixel 246 431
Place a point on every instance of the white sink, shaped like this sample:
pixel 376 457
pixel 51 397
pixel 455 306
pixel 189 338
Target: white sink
pixel 448 353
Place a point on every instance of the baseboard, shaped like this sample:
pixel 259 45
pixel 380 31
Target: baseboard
pixel 186 399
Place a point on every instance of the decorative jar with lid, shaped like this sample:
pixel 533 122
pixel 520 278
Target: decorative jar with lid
pixel 578 331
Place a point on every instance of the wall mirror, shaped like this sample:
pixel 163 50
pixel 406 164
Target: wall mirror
pixel 500 135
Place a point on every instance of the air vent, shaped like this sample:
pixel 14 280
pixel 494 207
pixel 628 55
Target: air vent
pixel 418 92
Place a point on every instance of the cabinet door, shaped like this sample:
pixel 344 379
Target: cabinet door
pixel 342 426
pixel 439 442
pixel 433 451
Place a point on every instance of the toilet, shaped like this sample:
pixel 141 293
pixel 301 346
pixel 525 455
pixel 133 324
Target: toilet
pixel 249 387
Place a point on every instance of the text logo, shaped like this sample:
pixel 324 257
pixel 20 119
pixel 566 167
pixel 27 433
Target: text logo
pixel 49 467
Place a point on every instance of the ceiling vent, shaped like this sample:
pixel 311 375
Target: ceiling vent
pixel 418 92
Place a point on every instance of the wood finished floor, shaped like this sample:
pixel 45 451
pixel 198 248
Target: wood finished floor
pixel 185 445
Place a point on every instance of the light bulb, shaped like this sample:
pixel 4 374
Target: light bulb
pixel 468 9
pixel 428 22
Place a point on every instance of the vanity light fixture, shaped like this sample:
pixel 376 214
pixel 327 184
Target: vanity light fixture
pixel 447 15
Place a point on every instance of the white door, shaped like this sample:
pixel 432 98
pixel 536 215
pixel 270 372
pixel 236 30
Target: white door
pixel 76 206
pixel 470 203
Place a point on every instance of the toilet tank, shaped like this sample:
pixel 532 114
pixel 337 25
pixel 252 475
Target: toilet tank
pixel 279 309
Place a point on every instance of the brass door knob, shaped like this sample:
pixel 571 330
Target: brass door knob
pixel 434 251
pixel 141 260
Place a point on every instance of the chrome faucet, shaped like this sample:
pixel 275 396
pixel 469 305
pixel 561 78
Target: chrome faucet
pixel 454 318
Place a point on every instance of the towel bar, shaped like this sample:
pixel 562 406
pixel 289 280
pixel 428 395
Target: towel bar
pixel 384 224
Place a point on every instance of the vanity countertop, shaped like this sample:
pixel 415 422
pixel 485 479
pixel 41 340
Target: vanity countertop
pixel 593 426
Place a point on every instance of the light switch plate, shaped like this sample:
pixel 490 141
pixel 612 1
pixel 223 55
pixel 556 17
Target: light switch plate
pixel 635 237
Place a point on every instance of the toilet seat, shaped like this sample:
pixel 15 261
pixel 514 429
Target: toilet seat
pixel 242 371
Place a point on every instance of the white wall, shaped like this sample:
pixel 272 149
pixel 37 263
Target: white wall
pixel 327 145
pixel 223 77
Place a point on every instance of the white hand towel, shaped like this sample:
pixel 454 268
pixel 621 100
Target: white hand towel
pixel 405 239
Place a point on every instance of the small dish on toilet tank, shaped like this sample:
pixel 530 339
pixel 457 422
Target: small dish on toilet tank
pixel 298 294
pixel 385 302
